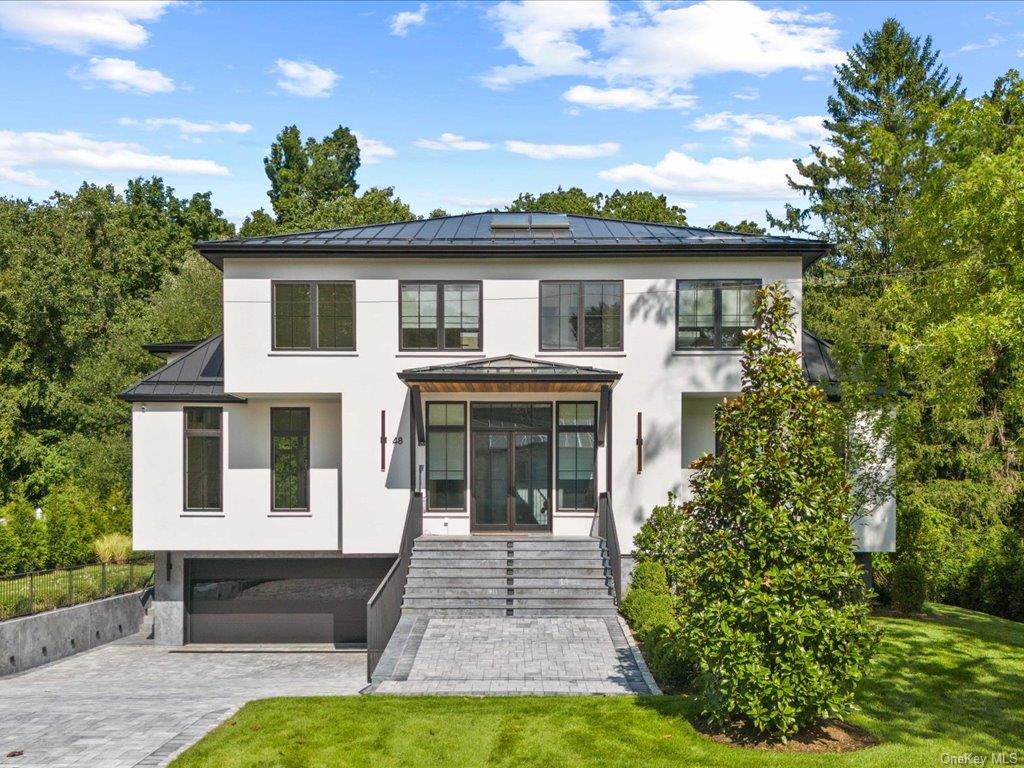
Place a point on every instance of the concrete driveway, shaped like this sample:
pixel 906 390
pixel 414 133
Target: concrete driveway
pixel 132 703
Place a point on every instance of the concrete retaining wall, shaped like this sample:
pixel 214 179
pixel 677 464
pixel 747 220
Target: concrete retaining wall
pixel 33 640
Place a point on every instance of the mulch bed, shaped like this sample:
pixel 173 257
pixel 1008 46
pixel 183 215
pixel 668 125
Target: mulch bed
pixel 830 736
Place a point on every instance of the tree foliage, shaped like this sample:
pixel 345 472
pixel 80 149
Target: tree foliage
pixel 775 615
pixel 632 205
pixel 305 174
pixel 745 226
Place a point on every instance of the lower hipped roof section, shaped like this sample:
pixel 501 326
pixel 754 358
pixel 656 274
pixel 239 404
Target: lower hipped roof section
pixel 197 376
pixel 509 368
pixel 498 234
pixel 819 367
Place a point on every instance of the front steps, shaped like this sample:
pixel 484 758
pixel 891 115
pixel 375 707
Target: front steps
pixel 509 576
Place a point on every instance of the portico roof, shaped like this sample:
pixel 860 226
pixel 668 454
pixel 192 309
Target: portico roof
pixel 509 373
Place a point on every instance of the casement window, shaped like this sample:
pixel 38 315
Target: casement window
pixel 446 456
pixel 712 314
pixel 440 315
pixel 581 315
pixel 203 459
pixel 577 456
pixel 314 315
pixel 289 458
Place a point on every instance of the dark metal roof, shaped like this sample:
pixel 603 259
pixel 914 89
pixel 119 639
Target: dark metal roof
pixel 506 369
pixel 197 376
pixel 504 234
pixel 170 347
pixel 819 367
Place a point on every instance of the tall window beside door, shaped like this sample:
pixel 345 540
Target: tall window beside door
pixel 581 315
pixel 203 459
pixel 440 315
pixel 577 456
pixel 289 458
pixel 446 456
pixel 314 315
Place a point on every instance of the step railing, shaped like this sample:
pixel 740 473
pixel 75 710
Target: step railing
pixel 384 608
pixel 607 531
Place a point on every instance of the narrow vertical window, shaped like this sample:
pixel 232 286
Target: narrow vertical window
pixel 203 459
pixel 289 448
pixel 577 456
pixel 293 327
pixel 440 316
pixel 446 456
pixel 581 315
pixel 335 316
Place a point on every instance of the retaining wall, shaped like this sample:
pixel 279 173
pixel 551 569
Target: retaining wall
pixel 33 640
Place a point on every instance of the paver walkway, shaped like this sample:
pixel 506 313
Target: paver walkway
pixel 130 703
pixel 565 655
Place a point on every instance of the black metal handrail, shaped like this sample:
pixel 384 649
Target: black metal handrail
pixel 607 531
pixel 384 608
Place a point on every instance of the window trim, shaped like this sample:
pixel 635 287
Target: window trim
pixel 581 328
pixel 717 284
pixel 465 452
pixel 273 459
pixel 558 430
pixel 440 315
pixel 186 433
pixel 314 310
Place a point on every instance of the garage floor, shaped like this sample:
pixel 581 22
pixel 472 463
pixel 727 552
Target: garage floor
pixel 131 703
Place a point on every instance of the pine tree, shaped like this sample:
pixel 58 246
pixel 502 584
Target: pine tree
pixel 774 611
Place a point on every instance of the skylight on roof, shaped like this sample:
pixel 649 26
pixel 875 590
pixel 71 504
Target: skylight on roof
pixel 531 224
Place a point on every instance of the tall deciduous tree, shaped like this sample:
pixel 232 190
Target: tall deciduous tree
pixel 632 205
pixel 305 174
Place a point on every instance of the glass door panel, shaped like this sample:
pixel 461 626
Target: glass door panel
pixel 491 459
pixel 532 472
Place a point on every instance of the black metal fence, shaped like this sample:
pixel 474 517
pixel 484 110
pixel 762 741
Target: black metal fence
pixel 26 593
pixel 606 530
pixel 384 608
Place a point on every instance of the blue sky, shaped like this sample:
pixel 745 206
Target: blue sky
pixel 458 105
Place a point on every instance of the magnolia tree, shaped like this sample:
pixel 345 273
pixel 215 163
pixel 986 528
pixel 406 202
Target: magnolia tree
pixel 775 613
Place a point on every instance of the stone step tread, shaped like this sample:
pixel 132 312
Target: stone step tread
pixel 505 537
pixel 519 582
pixel 511 602
pixel 504 613
pixel 596 592
pixel 500 546
pixel 483 572
pixel 522 562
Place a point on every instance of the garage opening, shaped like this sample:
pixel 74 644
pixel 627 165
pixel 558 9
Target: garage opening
pixel 280 600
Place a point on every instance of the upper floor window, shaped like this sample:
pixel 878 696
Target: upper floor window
pixel 314 315
pixel 203 458
pixel 440 315
pixel 581 315
pixel 713 314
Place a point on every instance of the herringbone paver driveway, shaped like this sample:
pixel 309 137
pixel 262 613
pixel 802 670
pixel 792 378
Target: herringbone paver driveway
pixel 131 703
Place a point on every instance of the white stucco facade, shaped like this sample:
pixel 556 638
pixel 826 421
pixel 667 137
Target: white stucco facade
pixel 358 509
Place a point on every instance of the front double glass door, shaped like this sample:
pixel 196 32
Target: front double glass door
pixel 511 467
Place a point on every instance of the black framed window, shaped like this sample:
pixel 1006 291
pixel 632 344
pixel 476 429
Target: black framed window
pixel 446 456
pixel 577 456
pixel 314 315
pixel 713 314
pixel 581 315
pixel 203 458
pixel 440 315
pixel 289 458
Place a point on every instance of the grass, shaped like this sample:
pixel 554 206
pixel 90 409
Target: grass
pixel 947 684
pixel 52 589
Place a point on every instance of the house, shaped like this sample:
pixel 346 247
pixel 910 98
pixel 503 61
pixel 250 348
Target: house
pixel 475 375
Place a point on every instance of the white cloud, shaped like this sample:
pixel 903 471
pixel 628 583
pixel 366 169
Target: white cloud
pixel 720 178
pixel 303 78
pixel 401 22
pixel 448 142
pixel 77 27
pixel 126 75
pixel 372 151
pixel 744 128
pixel 632 97
pixel 562 151
pixel 72 150
pixel 747 93
pixel 647 56
pixel 991 42
pixel 185 127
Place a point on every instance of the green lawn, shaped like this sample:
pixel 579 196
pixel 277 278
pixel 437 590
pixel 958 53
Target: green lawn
pixel 952 683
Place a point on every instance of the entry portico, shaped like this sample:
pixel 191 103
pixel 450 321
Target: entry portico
pixel 511 444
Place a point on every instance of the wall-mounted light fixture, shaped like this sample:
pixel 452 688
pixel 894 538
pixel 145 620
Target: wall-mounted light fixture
pixel 383 439
pixel 639 442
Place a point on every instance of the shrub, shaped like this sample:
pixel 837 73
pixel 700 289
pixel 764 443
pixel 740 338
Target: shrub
pixel 30 533
pixel 648 603
pixel 113 548
pixel 775 613
pixel 670 661
pixel 660 540
pixel 10 549
pixel 908 586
